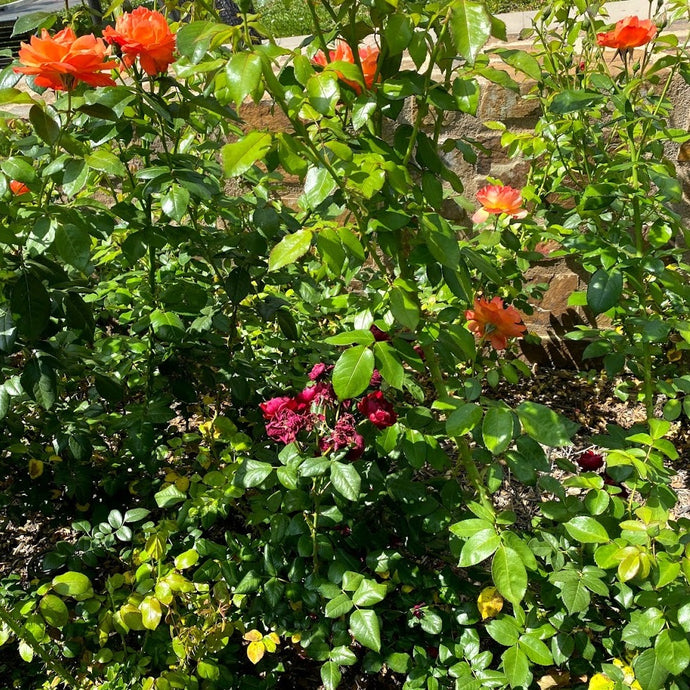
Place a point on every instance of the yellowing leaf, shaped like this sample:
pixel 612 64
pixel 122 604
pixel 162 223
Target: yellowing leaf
pixel 296 638
pixel 600 682
pixel 489 602
pixel 255 652
pixel 273 636
pixel 35 468
pixel 269 644
pixel 182 483
pixel 253 636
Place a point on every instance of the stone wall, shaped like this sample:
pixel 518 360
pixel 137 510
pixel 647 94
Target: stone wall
pixel 552 317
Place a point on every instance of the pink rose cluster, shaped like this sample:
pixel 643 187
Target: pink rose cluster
pixel 286 416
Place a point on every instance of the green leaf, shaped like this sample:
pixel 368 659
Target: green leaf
pixel 545 425
pixel 397 33
pixel 352 372
pixel 516 667
pixel 684 617
pixel 673 651
pixel 167 325
pixel 462 420
pixel 74 246
pixel 389 365
pixel 186 559
pixel 587 530
pixel 649 672
pixel 31 306
pixel 570 101
pixel 479 547
pixel 536 650
pixel 365 628
pixel 54 610
pixel 18 169
pixel 40 382
pixel 338 606
pixel 5 400
pixel 404 308
pixel 8 331
pixel 330 675
pixel 26 651
pixel 470 24
pixel 106 162
pixel 289 249
pixel 509 574
pixel 345 479
pixel 239 156
pixel 34 20
pixel 169 496
pixel 318 186
pixel 72 584
pixel 497 429
pixel 46 128
pixel 174 203
pixel 604 290
pixel 504 630
pixel 323 92
pixel 252 473
pixel 521 60
pixel 575 595
pixel 151 612
pixel 243 73
pixel 369 593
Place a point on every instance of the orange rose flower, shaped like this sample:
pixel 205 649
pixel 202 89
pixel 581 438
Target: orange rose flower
pixel 18 188
pixel 494 322
pixel 60 62
pixel 497 199
pixel 368 57
pixel 143 34
pixel 630 32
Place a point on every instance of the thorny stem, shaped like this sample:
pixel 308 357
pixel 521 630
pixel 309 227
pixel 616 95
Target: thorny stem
pixel 465 454
pixel 319 30
pixel 27 637
pixel 427 80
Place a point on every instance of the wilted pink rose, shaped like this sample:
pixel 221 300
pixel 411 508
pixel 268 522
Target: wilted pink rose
pixel 319 394
pixel 285 425
pixel 375 380
pixel 357 448
pixel 344 435
pixel 319 370
pixel 271 407
pixel 377 410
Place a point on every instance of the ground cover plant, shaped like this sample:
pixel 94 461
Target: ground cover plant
pixel 273 433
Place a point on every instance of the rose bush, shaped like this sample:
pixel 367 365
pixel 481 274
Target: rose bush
pixel 272 433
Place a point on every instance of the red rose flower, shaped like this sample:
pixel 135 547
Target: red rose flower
pixel 590 461
pixel 630 32
pixel 368 57
pixel 498 199
pixel 377 410
pixel 60 62
pixel 379 335
pixel 271 407
pixel 494 321
pixel 143 34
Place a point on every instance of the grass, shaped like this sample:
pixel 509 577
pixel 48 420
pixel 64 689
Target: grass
pixel 292 18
